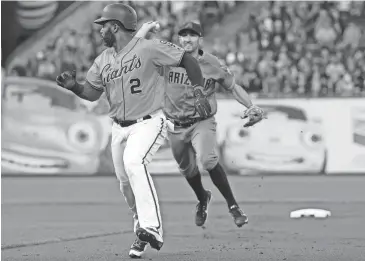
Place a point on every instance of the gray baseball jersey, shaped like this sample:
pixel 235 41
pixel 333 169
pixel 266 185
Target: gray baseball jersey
pixel 179 99
pixel 199 140
pixel 131 78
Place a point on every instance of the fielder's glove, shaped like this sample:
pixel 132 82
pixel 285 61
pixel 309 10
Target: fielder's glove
pixel 201 104
pixel 254 114
pixel 67 80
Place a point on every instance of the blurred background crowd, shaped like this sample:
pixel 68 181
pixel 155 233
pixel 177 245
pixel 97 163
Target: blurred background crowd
pixel 76 48
pixel 281 49
pixel 301 49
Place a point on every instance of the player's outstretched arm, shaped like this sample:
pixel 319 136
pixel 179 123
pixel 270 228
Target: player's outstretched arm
pixel 227 81
pixel 241 95
pixel 193 70
pixel 254 113
pixel 85 91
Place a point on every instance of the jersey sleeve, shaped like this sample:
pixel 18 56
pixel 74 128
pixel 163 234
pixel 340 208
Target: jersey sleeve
pixel 93 75
pixel 165 53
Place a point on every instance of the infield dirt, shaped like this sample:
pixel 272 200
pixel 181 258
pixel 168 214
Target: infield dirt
pixel 76 219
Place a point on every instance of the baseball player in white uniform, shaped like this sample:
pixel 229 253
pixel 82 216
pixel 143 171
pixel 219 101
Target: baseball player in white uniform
pixel 128 71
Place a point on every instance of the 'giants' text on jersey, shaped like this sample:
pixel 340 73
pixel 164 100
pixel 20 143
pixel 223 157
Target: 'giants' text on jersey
pixel 131 78
pixel 109 73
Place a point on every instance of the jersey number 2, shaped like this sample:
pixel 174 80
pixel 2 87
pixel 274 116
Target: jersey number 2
pixel 136 83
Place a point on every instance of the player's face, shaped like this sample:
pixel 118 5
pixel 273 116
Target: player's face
pixel 189 40
pixel 107 35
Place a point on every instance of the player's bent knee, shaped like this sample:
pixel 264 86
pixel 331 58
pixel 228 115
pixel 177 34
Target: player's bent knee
pixel 132 166
pixel 189 172
pixel 129 161
pixel 209 163
pixel 132 162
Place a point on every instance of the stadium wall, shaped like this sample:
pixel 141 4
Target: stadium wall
pixel 340 123
pixel 48 131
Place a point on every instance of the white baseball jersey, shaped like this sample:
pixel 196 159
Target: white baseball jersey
pixel 131 78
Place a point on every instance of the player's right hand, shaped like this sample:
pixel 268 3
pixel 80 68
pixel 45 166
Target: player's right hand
pixel 67 79
pixel 152 26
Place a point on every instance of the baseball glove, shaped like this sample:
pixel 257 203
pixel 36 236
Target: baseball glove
pixel 67 80
pixel 254 114
pixel 201 104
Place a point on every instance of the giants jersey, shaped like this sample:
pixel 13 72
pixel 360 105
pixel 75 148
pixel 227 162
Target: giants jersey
pixel 131 78
pixel 179 93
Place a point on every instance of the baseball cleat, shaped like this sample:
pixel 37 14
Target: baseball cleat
pixel 202 210
pixel 151 236
pixel 137 248
pixel 239 217
pixel 135 223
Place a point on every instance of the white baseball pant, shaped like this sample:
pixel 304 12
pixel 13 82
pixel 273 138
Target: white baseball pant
pixel 133 147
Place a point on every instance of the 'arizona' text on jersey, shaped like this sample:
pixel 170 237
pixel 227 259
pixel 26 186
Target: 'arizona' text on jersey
pixel 179 93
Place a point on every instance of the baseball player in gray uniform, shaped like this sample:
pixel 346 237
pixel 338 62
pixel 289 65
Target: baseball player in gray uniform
pixel 128 71
pixel 191 111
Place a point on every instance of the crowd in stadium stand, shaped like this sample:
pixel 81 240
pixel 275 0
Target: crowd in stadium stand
pixel 289 48
pixel 76 49
pixel 304 48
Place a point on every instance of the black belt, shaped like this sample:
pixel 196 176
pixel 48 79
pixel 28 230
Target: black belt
pixel 129 123
pixel 187 124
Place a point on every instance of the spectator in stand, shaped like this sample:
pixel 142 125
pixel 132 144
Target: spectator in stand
pixel 17 70
pixel 316 81
pixel 46 67
pixel 326 32
pixel 335 70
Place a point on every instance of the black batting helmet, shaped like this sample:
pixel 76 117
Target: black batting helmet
pixel 119 12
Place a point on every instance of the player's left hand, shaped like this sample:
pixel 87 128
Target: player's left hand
pixel 254 114
pixel 152 26
pixel 67 80
pixel 202 105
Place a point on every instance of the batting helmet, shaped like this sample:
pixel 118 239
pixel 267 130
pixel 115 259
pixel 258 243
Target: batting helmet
pixel 119 12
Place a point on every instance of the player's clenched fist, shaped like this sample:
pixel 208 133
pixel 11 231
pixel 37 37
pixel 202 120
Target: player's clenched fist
pixel 67 80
